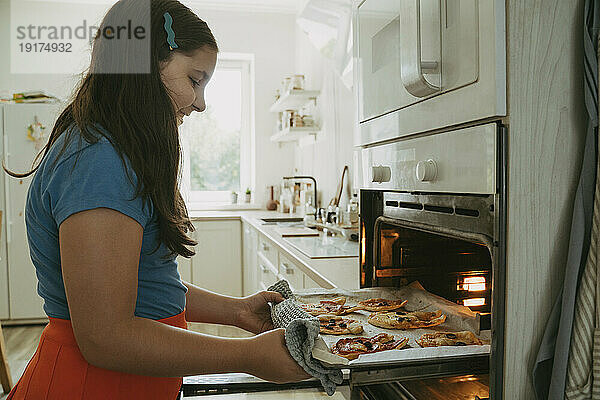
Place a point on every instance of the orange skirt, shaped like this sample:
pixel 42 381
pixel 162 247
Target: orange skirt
pixel 59 371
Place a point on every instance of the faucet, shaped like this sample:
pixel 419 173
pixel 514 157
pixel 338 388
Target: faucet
pixel 285 178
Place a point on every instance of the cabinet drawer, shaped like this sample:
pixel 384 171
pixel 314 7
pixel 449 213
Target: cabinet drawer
pixel 267 249
pixel 290 272
pixel 266 275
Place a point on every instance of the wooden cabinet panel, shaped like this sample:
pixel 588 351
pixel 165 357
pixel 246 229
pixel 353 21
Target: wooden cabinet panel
pixel 217 265
pixel 547 126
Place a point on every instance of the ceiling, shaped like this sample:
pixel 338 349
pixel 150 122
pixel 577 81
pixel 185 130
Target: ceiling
pixel 278 6
pixel 284 6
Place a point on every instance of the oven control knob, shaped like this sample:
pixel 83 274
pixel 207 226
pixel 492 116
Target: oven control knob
pixel 426 171
pixel 382 174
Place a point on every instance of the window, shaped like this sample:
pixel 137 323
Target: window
pixel 218 143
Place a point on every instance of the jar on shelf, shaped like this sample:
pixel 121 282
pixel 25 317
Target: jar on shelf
pixel 286 85
pixel 288 119
pixel 308 120
pixel 297 82
pixel 297 121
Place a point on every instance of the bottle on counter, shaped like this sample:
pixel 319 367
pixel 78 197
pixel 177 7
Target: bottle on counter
pixel 301 207
pixel 353 209
pixel 309 198
pixel 285 199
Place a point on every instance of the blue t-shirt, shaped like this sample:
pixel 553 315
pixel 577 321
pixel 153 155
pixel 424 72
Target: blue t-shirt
pixel 89 176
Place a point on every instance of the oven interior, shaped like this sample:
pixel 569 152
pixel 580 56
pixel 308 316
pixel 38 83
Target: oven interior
pixel 456 269
pixel 450 245
pixel 469 387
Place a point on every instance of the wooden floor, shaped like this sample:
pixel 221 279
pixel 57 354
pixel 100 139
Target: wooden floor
pixel 21 342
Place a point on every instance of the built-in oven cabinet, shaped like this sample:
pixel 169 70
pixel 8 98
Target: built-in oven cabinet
pixel 461 161
pixel 427 64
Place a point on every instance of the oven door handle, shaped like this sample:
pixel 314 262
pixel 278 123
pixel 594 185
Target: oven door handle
pixel 412 66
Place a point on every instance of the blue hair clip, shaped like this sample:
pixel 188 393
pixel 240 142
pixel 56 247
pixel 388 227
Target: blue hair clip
pixel 169 29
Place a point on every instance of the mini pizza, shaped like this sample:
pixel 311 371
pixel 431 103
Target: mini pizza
pixel 336 325
pixel 352 348
pixel 465 338
pixel 380 305
pixel 332 307
pixel 406 320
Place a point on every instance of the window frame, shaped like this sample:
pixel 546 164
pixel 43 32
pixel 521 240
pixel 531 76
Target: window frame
pixel 209 199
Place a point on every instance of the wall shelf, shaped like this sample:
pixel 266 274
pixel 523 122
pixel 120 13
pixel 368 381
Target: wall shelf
pixel 294 134
pixel 294 100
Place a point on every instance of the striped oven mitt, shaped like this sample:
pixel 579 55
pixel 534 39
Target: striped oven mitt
pixel 301 331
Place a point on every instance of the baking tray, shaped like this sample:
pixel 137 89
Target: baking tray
pixel 458 318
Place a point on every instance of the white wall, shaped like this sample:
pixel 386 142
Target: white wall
pixel 333 149
pixel 59 85
pixel 269 36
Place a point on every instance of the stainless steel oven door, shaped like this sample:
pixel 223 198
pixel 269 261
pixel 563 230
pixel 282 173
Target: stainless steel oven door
pixel 426 64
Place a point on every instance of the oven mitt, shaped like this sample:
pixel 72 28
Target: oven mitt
pixel 301 331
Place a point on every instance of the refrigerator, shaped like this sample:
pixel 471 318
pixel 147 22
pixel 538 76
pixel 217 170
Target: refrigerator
pixel 25 130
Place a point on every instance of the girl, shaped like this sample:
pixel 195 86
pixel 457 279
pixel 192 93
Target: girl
pixel 105 222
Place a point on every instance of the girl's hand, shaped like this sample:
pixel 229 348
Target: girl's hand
pixel 255 313
pixel 272 361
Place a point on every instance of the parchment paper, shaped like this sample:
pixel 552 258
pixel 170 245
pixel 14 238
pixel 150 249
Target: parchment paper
pixel 458 318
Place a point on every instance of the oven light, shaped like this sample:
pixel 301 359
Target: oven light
pixel 474 284
pixel 363 243
pixel 474 302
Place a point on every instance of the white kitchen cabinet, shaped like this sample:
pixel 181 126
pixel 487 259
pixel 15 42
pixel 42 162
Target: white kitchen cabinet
pixel 184 266
pixel 267 257
pixel 18 152
pixel 250 266
pixel 309 283
pixel 217 265
pixel 289 271
pixel 268 250
pixel 4 314
pixel 274 264
pixel 267 273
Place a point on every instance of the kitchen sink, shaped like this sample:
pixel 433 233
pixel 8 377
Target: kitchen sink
pixel 282 219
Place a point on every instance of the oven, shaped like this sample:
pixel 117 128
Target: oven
pixel 448 233
pixel 422 65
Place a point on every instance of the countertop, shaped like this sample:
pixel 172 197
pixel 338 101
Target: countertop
pixel 327 272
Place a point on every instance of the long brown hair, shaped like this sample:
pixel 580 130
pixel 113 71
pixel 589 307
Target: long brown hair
pixel 135 108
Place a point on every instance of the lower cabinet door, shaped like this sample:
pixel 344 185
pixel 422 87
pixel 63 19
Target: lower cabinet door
pixel 309 283
pixel 217 265
pixel 267 275
pixel 25 303
pixel 250 245
pixel 291 273
pixel 184 266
